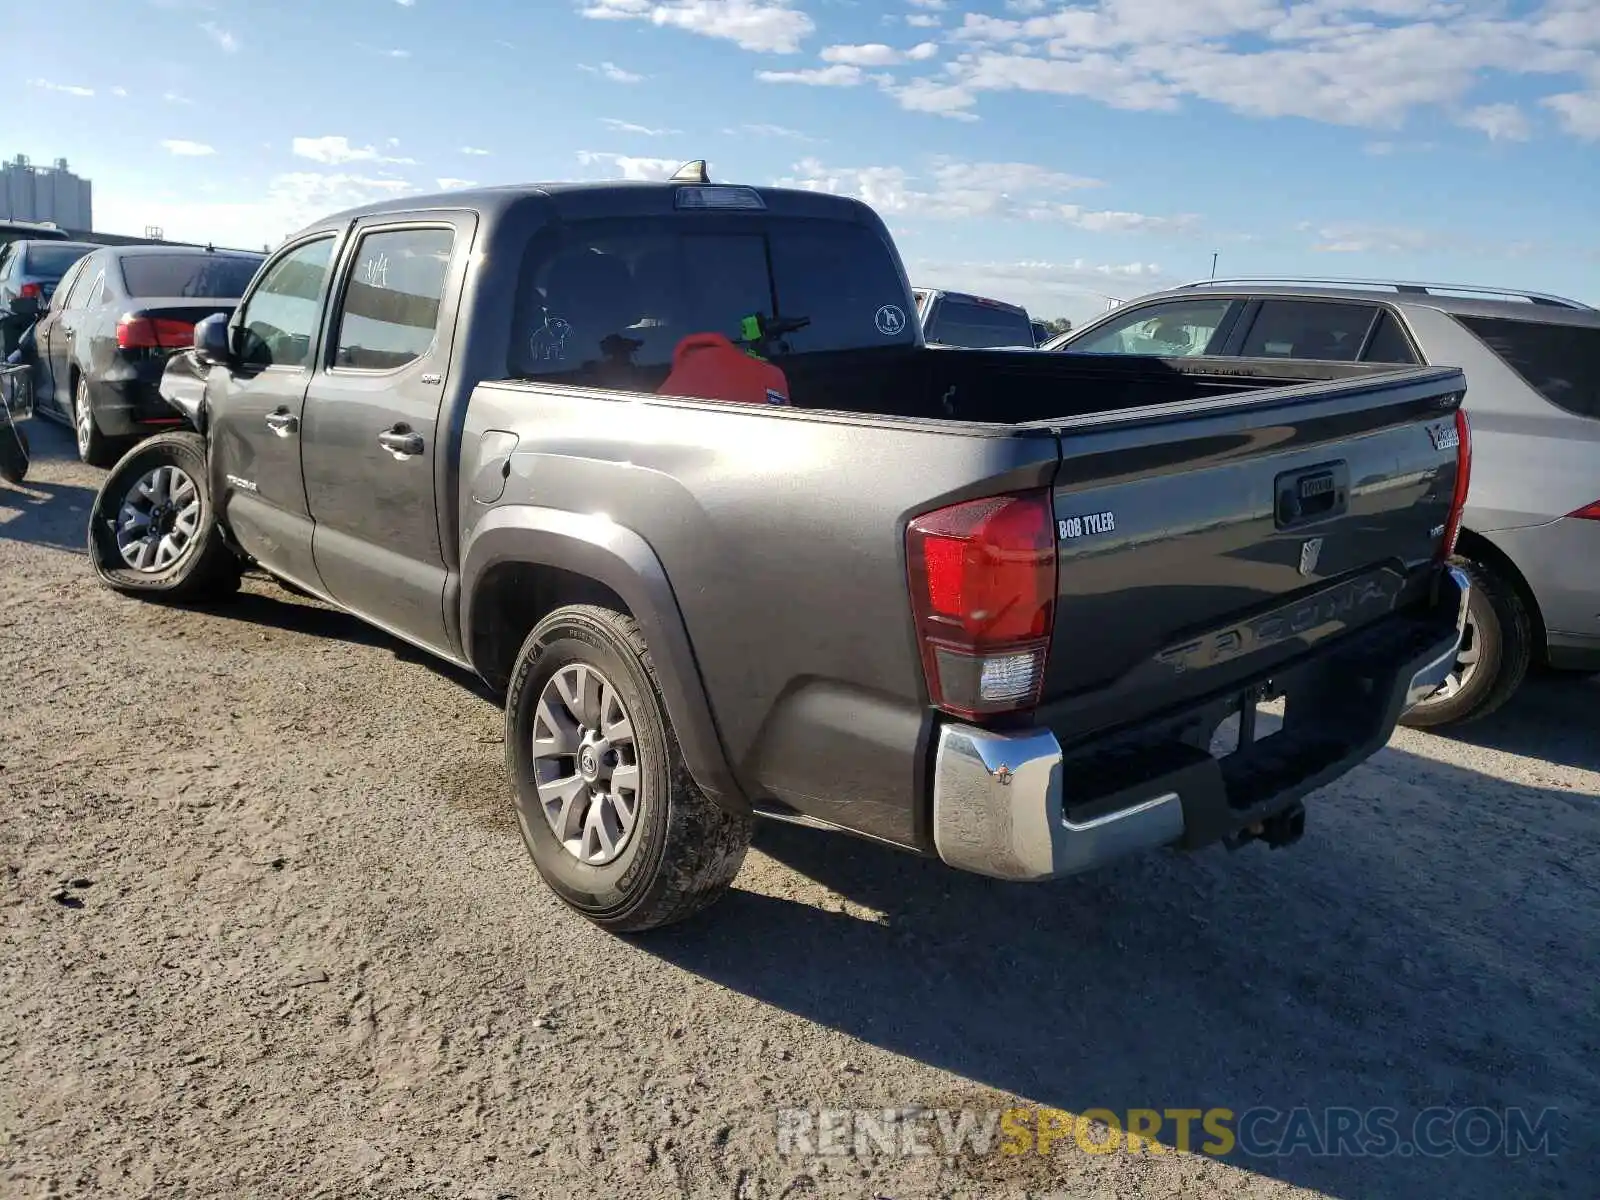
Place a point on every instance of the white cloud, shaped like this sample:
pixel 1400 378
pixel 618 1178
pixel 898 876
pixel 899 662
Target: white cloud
pixel 447 184
pixel 934 5
pixel 1373 239
pixel 951 189
pixel 337 150
pixel 187 149
pixel 922 21
pixel 1578 113
pixel 876 54
pixel 640 130
pixel 383 53
pixel 66 89
pixel 175 98
pixel 629 167
pixel 221 36
pixel 766 26
pixel 610 70
pixel 932 96
pixel 1351 62
pixel 475 151
pixel 761 130
pixel 405 3
pixel 1499 122
pixel 838 75
pixel 873 54
pixel 119 92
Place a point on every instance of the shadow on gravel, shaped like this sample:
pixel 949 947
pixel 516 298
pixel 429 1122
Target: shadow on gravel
pixel 54 515
pixel 280 609
pixel 1374 964
pixel 1554 717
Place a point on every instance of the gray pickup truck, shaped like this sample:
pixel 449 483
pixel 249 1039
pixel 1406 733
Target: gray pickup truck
pixel 987 605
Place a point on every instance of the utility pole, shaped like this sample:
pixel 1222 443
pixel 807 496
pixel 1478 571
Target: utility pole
pixel 1213 264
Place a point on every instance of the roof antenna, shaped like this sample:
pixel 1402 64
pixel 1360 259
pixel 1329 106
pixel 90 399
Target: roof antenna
pixel 691 172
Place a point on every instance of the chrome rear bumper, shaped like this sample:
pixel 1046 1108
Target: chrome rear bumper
pixel 998 798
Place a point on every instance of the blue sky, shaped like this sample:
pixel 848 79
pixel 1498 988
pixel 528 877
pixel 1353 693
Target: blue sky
pixel 1041 151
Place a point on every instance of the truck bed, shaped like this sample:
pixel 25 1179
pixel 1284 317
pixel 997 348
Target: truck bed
pixel 1014 387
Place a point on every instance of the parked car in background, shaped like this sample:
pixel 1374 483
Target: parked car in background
pixel 976 322
pixel 115 316
pixel 12 230
pixel 1531 538
pixel 30 270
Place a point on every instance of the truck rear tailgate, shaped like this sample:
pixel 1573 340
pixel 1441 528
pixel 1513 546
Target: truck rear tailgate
pixel 1202 542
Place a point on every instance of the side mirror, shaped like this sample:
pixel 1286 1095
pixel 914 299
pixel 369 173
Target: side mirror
pixel 211 343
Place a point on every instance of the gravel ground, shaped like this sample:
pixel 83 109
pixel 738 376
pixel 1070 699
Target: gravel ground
pixel 268 930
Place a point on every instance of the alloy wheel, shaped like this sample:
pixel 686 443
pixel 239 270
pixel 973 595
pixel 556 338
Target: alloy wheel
pixel 586 764
pixel 157 521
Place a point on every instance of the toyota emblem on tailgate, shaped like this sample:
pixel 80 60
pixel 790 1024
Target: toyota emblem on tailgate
pixel 1310 552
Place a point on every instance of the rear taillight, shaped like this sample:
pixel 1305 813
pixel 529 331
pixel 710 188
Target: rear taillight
pixel 154 333
pixel 983 593
pixel 1458 502
pixel 1589 512
pixel 31 291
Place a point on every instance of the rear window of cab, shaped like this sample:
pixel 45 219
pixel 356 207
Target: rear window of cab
pixel 627 292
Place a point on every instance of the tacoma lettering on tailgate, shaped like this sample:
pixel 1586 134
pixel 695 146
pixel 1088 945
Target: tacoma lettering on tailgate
pixel 1338 605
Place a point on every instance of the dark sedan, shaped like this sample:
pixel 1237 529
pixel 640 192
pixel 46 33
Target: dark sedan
pixel 29 271
pixel 118 313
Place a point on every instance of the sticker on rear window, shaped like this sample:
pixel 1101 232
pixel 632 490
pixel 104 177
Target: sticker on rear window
pixel 891 319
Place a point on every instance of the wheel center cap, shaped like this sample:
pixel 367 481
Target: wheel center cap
pixel 588 764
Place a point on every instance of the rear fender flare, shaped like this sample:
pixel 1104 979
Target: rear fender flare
pixel 611 554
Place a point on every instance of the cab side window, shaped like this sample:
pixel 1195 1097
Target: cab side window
pixel 278 323
pixel 390 310
pixel 1177 329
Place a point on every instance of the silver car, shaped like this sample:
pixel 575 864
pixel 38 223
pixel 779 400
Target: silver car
pixel 1531 537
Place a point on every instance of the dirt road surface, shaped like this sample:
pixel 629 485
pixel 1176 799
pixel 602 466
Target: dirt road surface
pixel 268 930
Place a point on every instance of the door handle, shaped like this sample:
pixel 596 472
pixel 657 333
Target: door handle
pixel 282 422
pixel 401 441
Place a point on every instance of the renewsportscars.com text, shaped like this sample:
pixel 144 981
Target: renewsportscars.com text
pixel 1257 1132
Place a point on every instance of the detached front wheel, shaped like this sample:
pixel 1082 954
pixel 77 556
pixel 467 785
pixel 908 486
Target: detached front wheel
pixel 609 813
pixel 153 530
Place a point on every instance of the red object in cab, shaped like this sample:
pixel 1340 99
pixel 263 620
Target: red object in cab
pixel 709 366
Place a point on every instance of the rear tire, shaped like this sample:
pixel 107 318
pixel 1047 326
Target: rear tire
pixel 1496 652
pixel 94 447
pixel 153 530
pixel 627 863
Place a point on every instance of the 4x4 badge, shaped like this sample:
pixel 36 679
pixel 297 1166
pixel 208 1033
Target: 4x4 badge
pixel 1310 552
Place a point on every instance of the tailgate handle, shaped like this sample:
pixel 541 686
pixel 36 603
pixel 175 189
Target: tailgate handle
pixel 1311 494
